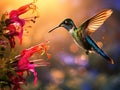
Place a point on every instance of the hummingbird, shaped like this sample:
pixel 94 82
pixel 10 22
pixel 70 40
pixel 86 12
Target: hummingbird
pixel 81 35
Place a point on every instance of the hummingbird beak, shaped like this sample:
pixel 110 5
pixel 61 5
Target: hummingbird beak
pixel 54 28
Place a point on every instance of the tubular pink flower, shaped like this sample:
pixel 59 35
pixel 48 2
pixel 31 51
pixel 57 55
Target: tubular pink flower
pixel 15 24
pixel 25 65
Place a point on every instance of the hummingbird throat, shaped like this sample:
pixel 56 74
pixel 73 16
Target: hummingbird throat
pixel 71 30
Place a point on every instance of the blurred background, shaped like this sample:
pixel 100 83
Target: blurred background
pixel 71 68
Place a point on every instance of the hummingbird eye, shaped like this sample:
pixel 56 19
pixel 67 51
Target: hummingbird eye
pixel 66 22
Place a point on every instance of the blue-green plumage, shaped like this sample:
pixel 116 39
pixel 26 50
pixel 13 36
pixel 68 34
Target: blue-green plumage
pixel 96 48
pixel 81 35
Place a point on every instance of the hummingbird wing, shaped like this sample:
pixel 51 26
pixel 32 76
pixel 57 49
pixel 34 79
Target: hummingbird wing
pixel 95 22
pixel 98 50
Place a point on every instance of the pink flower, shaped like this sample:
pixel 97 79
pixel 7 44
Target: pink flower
pixel 25 65
pixel 21 65
pixel 15 24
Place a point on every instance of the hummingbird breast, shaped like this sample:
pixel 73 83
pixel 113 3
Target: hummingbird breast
pixel 81 41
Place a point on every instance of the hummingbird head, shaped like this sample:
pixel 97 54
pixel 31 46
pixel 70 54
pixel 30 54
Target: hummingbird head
pixel 67 24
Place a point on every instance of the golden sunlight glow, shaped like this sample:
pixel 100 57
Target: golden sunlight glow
pixel 51 13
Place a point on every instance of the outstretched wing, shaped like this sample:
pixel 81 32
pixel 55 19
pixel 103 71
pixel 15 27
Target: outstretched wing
pixel 96 21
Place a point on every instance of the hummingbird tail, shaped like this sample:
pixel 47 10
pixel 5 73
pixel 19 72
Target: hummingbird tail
pixel 98 50
pixel 111 61
pixel 107 58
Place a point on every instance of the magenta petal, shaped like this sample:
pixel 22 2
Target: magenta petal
pixel 29 67
pixel 20 36
pixel 32 69
pixel 25 65
pixel 13 14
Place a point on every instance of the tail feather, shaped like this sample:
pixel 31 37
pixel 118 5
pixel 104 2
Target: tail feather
pixel 98 50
